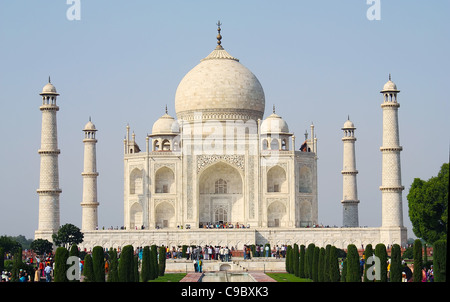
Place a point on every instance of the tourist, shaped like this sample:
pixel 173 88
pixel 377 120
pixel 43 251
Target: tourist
pixel 48 271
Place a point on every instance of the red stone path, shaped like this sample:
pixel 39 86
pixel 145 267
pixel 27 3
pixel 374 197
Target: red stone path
pixel 258 276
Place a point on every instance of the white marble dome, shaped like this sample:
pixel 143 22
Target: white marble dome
pixel 90 126
pixel 348 125
pixel 49 89
pixel 220 88
pixel 389 86
pixel 166 124
pixel 274 124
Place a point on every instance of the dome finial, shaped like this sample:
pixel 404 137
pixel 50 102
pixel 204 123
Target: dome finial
pixel 273 110
pixel 219 37
pixel 166 108
pixel 389 76
pixel 49 79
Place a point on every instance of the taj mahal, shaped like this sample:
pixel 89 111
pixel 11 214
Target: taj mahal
pixel 222 171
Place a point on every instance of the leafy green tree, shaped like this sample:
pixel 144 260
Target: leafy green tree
pixel 68 235
pixel 9 245
pixel 428 206
pixel 418 263
pixel 98 263
pixel 61 267
pixel 88 269
pixel 368 252
pixel 380 252
pixel 301 262
pixel 353 274
pixel 126 264
pixel 334 265
pixel 17 265
pixel 395 274
pixel 440 260
pixel 113 274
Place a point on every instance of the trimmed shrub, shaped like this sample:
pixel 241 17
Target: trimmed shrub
pixel 113 275
pixel 334 265
pixel 162 260
pixel 145 265
pixel 295 259
pixel 368 252
pixel 315 266
pixel 395 273
pixel 344 271
pixel 440 260
pixel 126 264
pixel 353 274
pixel 309 260
pixel 326 265
pixel 321 266
pixel 154 268
pixel 88 269
pixel 301 262
pixel 380 252
pixel 98 263
pixel 60 272
pixel 417 250
pixel 288 261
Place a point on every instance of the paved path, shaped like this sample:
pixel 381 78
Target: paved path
pixel 258 276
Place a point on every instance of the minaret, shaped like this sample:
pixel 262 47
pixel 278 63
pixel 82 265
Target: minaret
pixel 350 193
pixel 391 183
pixel 89 204
pixel 49 190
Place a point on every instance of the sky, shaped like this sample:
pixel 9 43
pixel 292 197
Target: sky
pixel 120 62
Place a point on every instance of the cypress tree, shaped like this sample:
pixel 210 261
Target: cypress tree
pixel 126 264
pixel 417 252
pixel 288 259
pixel 74 252
pixel 60 272
pixel 98 263
pixel 368 252
pixel 162 260
pixel 154 268
pixel 145 264
pixel 395 274
pixel 440 260
pixel 113 275
pixel 315 266
pixel 295 259
pixel 136 268
pixel 353 274
pixel 344 271
pixel 380 252
pixel 321 266
pixel 309 260
pixel 88 270
pixel 334 265
pixel 326 265
pixel 301 262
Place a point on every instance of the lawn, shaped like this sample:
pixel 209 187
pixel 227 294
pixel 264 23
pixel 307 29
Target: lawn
pixel 285 277
pixel 169 278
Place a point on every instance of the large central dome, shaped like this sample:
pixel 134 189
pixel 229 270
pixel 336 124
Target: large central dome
pixel 219 88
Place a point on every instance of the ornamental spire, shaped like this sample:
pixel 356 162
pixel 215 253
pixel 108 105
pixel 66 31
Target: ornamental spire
pixel 219 36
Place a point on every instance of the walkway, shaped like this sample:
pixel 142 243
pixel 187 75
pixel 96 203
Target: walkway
pixel 258 276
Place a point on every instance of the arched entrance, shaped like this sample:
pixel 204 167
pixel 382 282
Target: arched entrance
pixel 220 195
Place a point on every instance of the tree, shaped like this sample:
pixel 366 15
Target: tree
pixel 145 266
pixel 98 263
pixel 126 264
pixel 309 260
pixel 41 246
pixel 113 274
pixel 395 274
pixel 440 260
pixel 326 265
pixel 353 274
pixel 288 261
pixel 301 262
pixel 162 260
pixel 334 265
pixel 88 269
pixel 295 264
pixel 417 273
pixel 380 252
pixel 321 266
pixel 368 252
pixel 61 267
pixel 315 266
pixel 68 235
pixel 9 245
pixel 428 206
pixel 154 268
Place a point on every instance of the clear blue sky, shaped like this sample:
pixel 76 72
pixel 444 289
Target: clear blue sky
pixel 318 61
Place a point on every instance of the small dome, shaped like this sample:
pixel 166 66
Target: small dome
pixel 49 89
pixel 390 86
pixel 274 124
pixel 166 125
pixel 348 125
pixel 90 127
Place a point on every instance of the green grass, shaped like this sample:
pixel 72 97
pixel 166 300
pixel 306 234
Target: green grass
pixel 285 277
pixel 169 278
